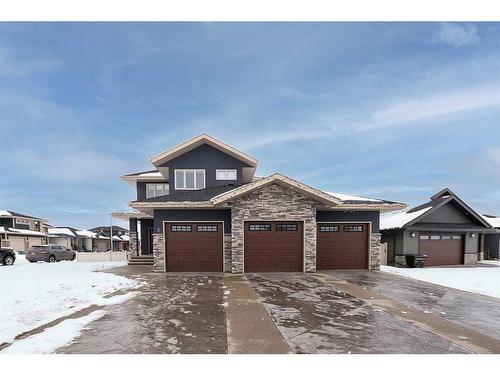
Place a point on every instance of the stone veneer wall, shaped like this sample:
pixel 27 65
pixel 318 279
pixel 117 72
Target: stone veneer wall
pixel 132 243
pixel 374 262
pixel 158 252
pixel 470 259
pixel 228 253
pixel 273 202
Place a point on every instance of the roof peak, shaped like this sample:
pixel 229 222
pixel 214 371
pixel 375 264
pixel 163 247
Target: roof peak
pixel 199 140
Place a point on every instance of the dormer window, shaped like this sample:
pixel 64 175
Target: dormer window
pixel 156 190
pixel 225 174
pixel 189 179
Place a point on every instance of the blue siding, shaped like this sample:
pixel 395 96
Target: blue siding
pixel 192 215
pixel 373 216
pixel 208 158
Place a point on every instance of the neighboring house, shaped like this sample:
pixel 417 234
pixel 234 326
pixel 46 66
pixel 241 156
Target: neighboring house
pixel 101 241
pixel 445 229
pixel 492 241
pixel 21 231
pixel 72 238
pixel 203 209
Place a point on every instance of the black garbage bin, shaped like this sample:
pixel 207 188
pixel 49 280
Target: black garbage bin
pixel 416 261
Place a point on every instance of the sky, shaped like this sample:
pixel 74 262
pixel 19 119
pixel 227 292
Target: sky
pixel 387 110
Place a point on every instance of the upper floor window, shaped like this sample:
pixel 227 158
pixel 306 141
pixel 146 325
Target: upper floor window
pixel 189 179
pixel 156 190
pixel 225 174
pixel 29 223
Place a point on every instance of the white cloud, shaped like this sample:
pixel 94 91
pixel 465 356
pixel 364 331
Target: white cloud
pixel 434 105
pixel 456 34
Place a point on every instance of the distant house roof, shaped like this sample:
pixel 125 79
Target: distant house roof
pixel 85 233
pixel 413 215
pixel 116 229
pixel 63 231
pixel 8 213
pixel 494 221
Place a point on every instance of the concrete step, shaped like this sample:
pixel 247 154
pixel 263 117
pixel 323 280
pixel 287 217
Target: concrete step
pixel 140 263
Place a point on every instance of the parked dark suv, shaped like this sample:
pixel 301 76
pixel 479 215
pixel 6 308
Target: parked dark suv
pixel 7 256
pixel 49 253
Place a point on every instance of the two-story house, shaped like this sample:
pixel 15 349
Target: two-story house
pixel 21 231
pixel 203 209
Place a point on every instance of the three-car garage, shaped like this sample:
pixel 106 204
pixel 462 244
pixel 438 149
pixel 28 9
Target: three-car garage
pixel 269 246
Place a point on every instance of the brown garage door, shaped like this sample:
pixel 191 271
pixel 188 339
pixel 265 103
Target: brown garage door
pixel 441 250
pixel 342 246
pixel 273 246
pixel 193 247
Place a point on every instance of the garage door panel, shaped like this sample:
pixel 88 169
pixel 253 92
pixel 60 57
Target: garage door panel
pixel 272 249
pixel 338 248
pixel 440 250
pixel 194 247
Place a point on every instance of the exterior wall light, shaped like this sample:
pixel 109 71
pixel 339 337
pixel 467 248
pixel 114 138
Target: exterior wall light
pixel 472 235
pixel 413 234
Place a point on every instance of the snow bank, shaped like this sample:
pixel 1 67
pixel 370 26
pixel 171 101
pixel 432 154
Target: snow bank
pixel 53 338
pixel 33 294
pixel 481 280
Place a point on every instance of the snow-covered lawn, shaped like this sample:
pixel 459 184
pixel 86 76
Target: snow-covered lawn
pixel 32 294
pixel 481 280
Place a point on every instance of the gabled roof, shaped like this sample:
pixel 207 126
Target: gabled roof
pixel 279 179
pixel 415 214
pixel 64 231
pixel 198 141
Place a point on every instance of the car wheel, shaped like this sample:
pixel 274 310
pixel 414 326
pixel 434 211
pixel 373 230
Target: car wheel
pixel 52 259
pixel 8 260
pixel 74 257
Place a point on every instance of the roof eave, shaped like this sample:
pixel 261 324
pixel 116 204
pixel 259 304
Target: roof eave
pixel 278 178
pixel 388 207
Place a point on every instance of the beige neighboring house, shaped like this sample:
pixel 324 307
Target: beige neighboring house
pixel 21 231
pixel 72 238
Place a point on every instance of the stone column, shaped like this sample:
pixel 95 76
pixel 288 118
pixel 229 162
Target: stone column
pixel 132 243
pixel 228 253
pixel 158 252
pixel 375 251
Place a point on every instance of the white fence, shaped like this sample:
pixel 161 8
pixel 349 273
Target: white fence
pixel 108 256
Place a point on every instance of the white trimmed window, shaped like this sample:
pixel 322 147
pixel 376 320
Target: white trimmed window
pixel 156 190
pixel 225 174
pixel 189 179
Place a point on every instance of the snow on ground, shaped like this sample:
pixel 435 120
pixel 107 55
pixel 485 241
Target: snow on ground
pixel 33 294
pixel 53 338
pixel 481 280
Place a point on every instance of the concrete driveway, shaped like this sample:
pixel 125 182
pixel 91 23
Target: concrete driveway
pixel 173 313
pixel 315 317
pixel 480 313
pixel 333 312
